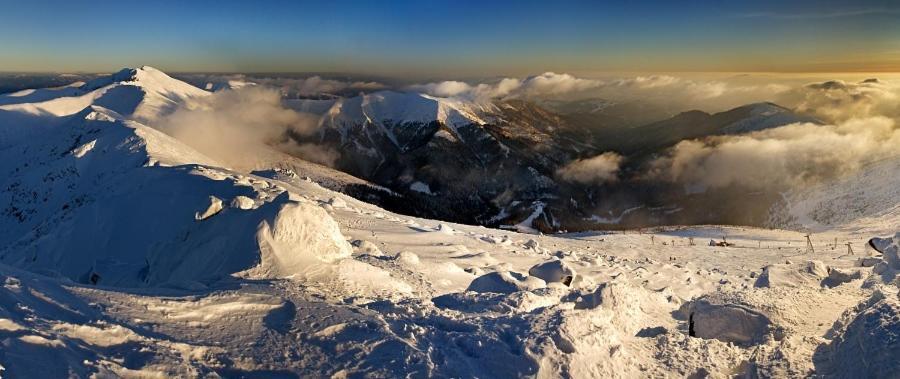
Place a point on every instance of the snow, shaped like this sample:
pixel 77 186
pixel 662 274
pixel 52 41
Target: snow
pixel 215 206
pixel 866 340
pixel 525 225
pixel 420 187
pixel 124 252
pixel 764 116
pixel 865 201
pixel 553 271
pixel 387 111
pixel 504 282
pixel 401 107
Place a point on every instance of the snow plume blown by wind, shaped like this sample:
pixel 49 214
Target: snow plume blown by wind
pixel 603 168
pixel 234 126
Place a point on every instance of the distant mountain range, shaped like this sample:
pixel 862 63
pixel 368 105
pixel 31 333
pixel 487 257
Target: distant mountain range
pixel 492 163
pixel 495 162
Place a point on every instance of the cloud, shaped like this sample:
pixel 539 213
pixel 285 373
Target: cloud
pixel 669 91
pixel 289 87
pixel 238 126
pixel 837 101
pixel 791 156
pixel 683 94
pixel 449 88
pixel 550 83
pixel 600 169
pixel 317 85
pixel 544 85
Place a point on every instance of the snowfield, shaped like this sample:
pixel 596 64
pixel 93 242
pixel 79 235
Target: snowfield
pixel 125 253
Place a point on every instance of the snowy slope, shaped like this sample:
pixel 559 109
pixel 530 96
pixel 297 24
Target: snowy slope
pixel 866 201
pixel 113 202
pixel 390 112
pixel 761 116
pixel 124 253
pixel 142 94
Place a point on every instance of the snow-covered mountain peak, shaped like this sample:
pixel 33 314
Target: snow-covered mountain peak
pixel 142 94
pixel 765 108
pixel 760 116
pixel 149 79
pixel 397 108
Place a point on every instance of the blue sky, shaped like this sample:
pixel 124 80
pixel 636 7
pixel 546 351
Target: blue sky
pixel 450 38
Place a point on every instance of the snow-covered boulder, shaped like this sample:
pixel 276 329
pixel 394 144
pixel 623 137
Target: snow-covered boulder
pixel 553 271
pixel 242 202
pixel 787 275
pixel 889 248
pixel 299 235
pixel 337 202
pixel 407 258
pixel 837 277
pixel 888 269
pixel 214 206
pixel 868 261
pixel 726 322
pixel 444 228
pixel 505 282
pixel 367 247
pixel 817 268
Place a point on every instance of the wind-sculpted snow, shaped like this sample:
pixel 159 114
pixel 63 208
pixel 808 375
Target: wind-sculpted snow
pixel 96 206
pixel 126 253
pixel 105 200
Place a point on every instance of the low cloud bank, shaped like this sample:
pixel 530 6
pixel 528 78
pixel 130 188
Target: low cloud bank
pixel 670 91
pixel 862 127
pixel 791 156
pixel 838 101
pixel 600 169
pixel 291 87
pixel 546 84
pixel 236 126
